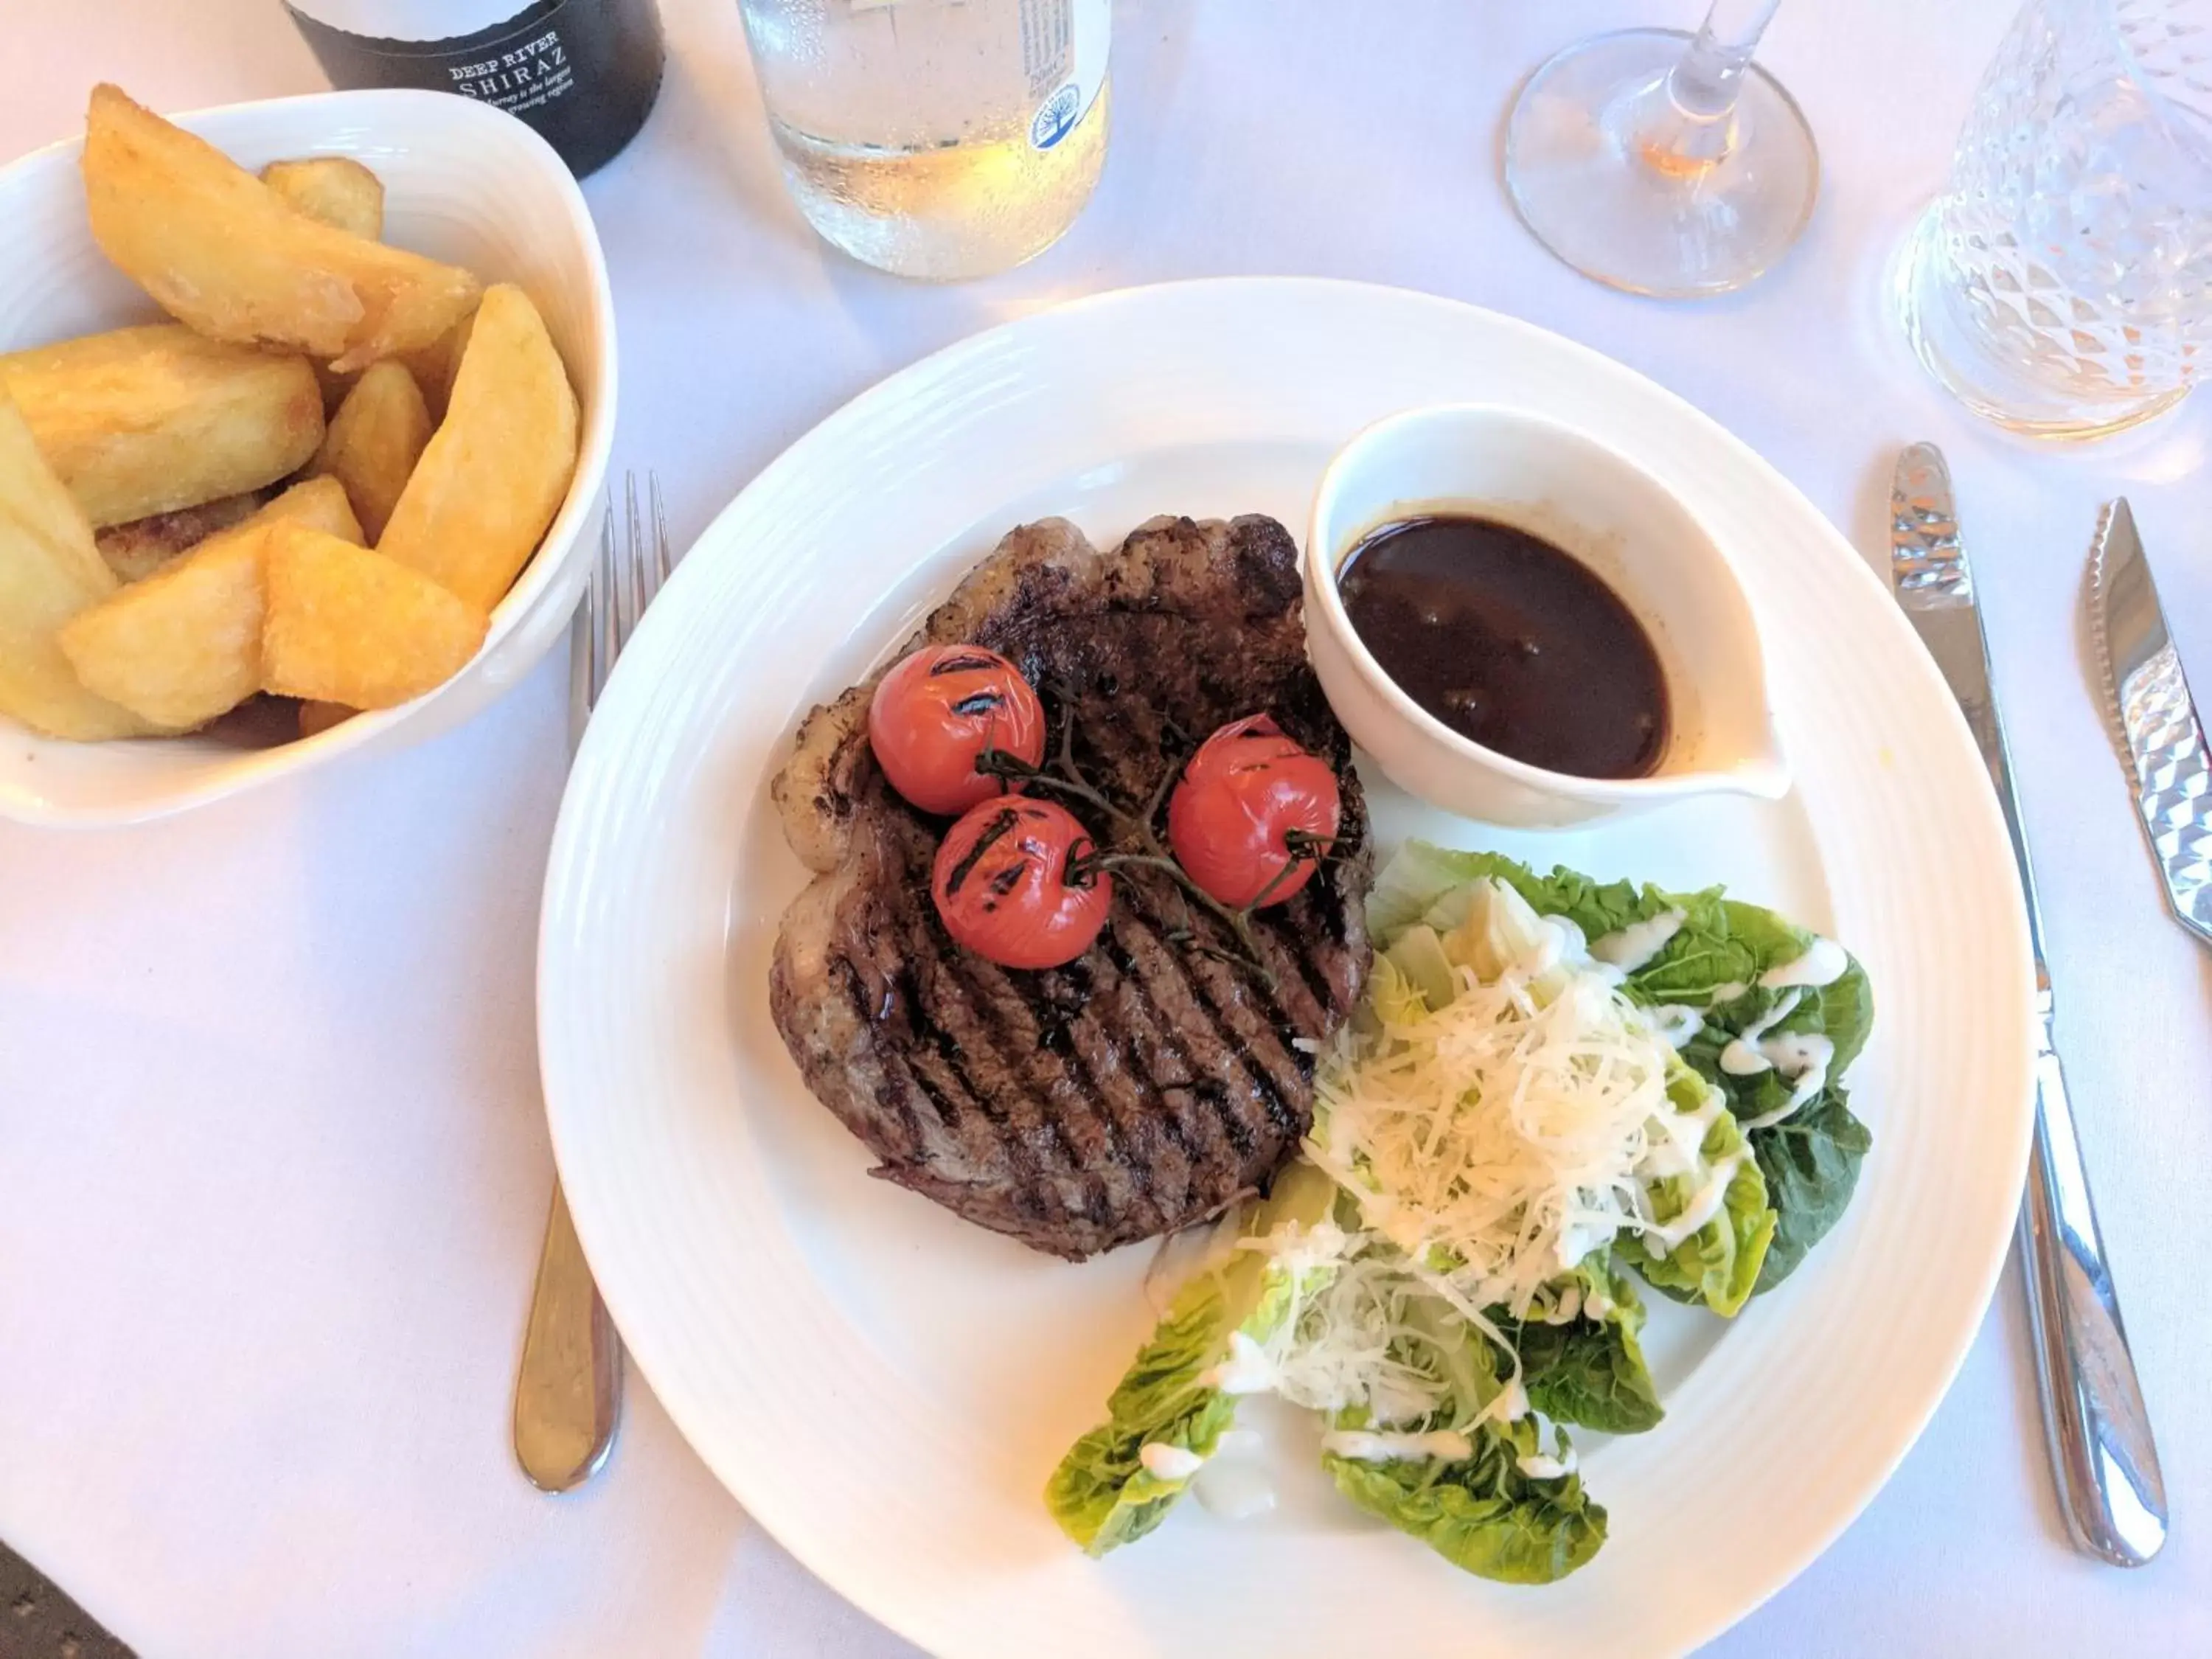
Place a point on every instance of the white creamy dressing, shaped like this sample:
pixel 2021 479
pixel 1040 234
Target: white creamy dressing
pixel 1166 1462
pixel 1542 1465
pixel 1726 992
pixel 1803 1057
pixel 1681 1148
pixel 1235 1491
pixel 1800 1056
pixel 1743 1058
pixel 1633 947
pixel 1247 1370
pixel 1234 1484
pixel 1512 1402
pixel 1674 1023
pixel 1823 964
pixel 1383 1446
pixel 1578 1238
pixel 1704 1206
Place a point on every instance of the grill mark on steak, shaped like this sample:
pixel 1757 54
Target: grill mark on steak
pixel 1240 1006
pixel 1177 985
pixel 1081 1117
pixel 1181 1159
pixel 1056 1166
pixel 1068 1120
pixel 1143 1086
pixel 947 1006
pixel 899 1099
pixel 1156 1039
pixel 1064 995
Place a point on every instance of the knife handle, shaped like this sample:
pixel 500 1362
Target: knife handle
pixel 2102 1457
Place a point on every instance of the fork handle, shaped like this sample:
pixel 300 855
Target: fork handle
pixel 2102 1457
pixel 568 1394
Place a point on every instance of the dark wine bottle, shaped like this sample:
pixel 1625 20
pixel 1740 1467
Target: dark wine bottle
pixel 584 73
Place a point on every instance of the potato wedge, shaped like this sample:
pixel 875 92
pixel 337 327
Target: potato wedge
pixel 184 646
pixel 334 190
pixel 498 467
pixel 220 249
pixel 344 194
pixel 435 365
pixel 148 420
pixel 136 550
pixel 372 442
pixel 49 571
pixel 320 504
pixel 350 626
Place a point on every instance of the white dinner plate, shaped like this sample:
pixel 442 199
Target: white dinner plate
pixel 885 1387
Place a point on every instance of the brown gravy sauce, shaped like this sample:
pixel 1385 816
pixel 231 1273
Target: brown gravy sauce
pixel 1511 641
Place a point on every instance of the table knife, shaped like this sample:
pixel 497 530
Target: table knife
pixel 2103 1460
pixel 2158 724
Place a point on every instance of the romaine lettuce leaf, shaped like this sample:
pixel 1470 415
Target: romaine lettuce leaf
pixel 1811 1160
pixel 1482 1514
pixel 1422 876
pixel 1719 1264
pixel 1591 1371
pixel 1102 1494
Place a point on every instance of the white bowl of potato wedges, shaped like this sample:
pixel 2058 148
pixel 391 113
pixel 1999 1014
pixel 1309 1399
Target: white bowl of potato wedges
pixel 304 408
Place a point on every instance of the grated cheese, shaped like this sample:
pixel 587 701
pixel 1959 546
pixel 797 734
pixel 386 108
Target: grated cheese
pixel 1499 1140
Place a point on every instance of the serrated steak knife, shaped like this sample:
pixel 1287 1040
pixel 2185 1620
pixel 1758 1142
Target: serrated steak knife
pixel 2158 720
pixel 2102 1457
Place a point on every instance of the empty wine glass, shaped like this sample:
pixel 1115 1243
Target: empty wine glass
pixel 1664 163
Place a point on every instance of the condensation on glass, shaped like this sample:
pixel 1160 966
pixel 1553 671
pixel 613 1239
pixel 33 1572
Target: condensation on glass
pixel 936 138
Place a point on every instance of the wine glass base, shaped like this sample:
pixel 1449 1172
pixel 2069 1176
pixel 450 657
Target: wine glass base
pixel 1576 180
pixel 1977 371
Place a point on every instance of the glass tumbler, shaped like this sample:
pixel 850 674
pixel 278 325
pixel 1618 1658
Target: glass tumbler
pixel 936 138
pixel 2061 286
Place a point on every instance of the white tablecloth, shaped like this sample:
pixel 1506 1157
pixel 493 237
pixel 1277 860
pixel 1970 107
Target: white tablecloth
pixel 272 1167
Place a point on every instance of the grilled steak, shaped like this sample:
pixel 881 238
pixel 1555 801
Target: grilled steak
pixel 1147 1084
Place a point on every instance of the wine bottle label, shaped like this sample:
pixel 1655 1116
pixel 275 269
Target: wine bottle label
pixel 583 72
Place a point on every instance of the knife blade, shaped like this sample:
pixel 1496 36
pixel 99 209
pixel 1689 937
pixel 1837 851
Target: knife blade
pixel 2157 719
pixel 2104 1462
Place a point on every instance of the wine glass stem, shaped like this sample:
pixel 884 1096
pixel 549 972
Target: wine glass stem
pixel 1687 122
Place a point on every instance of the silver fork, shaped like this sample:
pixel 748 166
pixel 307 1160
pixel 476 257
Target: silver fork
pixel 568 1391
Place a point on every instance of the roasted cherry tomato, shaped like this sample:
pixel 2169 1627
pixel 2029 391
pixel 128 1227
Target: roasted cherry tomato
pixel 941 706
pixel 1009 885
pixel 1245 793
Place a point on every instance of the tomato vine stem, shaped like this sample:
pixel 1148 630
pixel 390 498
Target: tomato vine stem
pixel 1138 849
